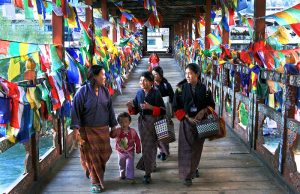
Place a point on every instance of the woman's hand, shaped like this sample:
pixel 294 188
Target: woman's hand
pixel 146 105
pixel 81 142
pixel 191 120
pixel 200 115
pixel 129 104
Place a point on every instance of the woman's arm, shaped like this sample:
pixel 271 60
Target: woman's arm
pixel 178 104
pixel 77 108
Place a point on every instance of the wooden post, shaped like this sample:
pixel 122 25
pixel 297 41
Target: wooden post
pixel 121 32
pixel 144 40
pixel 184 30
pixel 58 39
pixel 259 24
pixel 207 22
pixel 88 13
pixel 114 26
pixel 179 30
pixel 288 111
pixel 197 22
pixel 190 30
pixel 104 15
pixel 58 33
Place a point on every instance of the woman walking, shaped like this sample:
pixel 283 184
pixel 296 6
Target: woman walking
pixel 166 91
pixel 92 115
pixel 190 103
pixel 150 105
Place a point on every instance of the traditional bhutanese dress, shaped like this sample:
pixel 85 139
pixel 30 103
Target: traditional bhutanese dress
pixel 146 128
pixel 190 101
pixel 93 115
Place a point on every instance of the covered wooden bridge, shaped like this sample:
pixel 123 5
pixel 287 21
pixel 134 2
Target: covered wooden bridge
pixel 256 96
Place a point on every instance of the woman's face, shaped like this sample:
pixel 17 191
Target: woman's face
pixel 191 77
pixel 100 78
pixel 145 84
pixel 157 77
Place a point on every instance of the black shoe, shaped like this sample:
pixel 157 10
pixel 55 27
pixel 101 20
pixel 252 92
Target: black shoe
pixel 159 156
pixel 87 174
pixel 147 179
pixel 163 156
pixel 188 182
pixel 197 174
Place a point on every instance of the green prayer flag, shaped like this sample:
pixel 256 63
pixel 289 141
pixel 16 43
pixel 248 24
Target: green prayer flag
pixel 14 49
pixel 56 62
pixel 28 11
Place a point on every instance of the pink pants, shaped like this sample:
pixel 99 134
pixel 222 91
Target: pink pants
pixel 126 165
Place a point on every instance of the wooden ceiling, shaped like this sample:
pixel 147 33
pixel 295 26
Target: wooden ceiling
pixel 172 11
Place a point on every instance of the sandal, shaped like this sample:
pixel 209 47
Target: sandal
pixel 96 189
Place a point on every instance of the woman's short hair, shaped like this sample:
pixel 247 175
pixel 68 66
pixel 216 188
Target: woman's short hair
pixel 194 67
pixel 94 71
pixel 148 75
pixel 123 115
pixel 159 70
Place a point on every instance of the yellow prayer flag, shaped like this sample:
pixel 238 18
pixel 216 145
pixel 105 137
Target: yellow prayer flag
pixel 10 134
pixel 13 69
pixel 23 48
pixel 271 100
pixel 29 99
pixel 72 18
pixel 282 35
pixel 36 57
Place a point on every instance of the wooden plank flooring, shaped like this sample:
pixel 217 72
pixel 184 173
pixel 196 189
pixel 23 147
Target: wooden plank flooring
pixel 226 165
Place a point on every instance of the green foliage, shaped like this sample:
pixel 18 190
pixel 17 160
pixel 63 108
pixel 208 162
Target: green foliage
pixel 24 31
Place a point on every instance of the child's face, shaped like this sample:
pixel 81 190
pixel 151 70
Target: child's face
pixel 124 122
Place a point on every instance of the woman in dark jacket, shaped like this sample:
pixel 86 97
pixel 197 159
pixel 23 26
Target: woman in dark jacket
pixel 189 105
pixel 167 93
pixel 150 105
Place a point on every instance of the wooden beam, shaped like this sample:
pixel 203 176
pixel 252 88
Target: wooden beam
pixel 259 24
pixel 104 15
pixel 114 31
pixel 197 23
pixel 190 30
pixel 207 22
pixel 58 33
pixel 88 13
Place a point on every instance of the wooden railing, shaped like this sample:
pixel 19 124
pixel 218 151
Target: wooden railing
pixel 36 167
pixel 225 84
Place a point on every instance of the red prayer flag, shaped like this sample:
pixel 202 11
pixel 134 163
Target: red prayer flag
pixel 231 17
pixel 4 47
pixel 251 22
pixel 30 4
pixel 296 28
pixel 123 19
pixel 19 4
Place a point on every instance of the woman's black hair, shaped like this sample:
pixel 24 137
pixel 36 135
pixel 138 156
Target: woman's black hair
pixel 148 75
pixel 194 67
pixel 159 70
pixel 124 115
pixel 94 71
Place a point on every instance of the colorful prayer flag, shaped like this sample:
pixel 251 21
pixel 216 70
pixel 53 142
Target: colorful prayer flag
pixel 288 16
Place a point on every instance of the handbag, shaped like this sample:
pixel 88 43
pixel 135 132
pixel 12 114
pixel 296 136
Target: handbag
pixel 164 129
pixel 210 126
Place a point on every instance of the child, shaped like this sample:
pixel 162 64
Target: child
pixel 126 140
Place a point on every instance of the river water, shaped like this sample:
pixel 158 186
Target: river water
pixel 12 161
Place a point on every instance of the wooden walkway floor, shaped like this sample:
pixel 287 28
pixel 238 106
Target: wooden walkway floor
pixel 226 165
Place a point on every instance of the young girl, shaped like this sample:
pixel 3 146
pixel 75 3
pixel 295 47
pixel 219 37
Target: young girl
pixel 127 140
